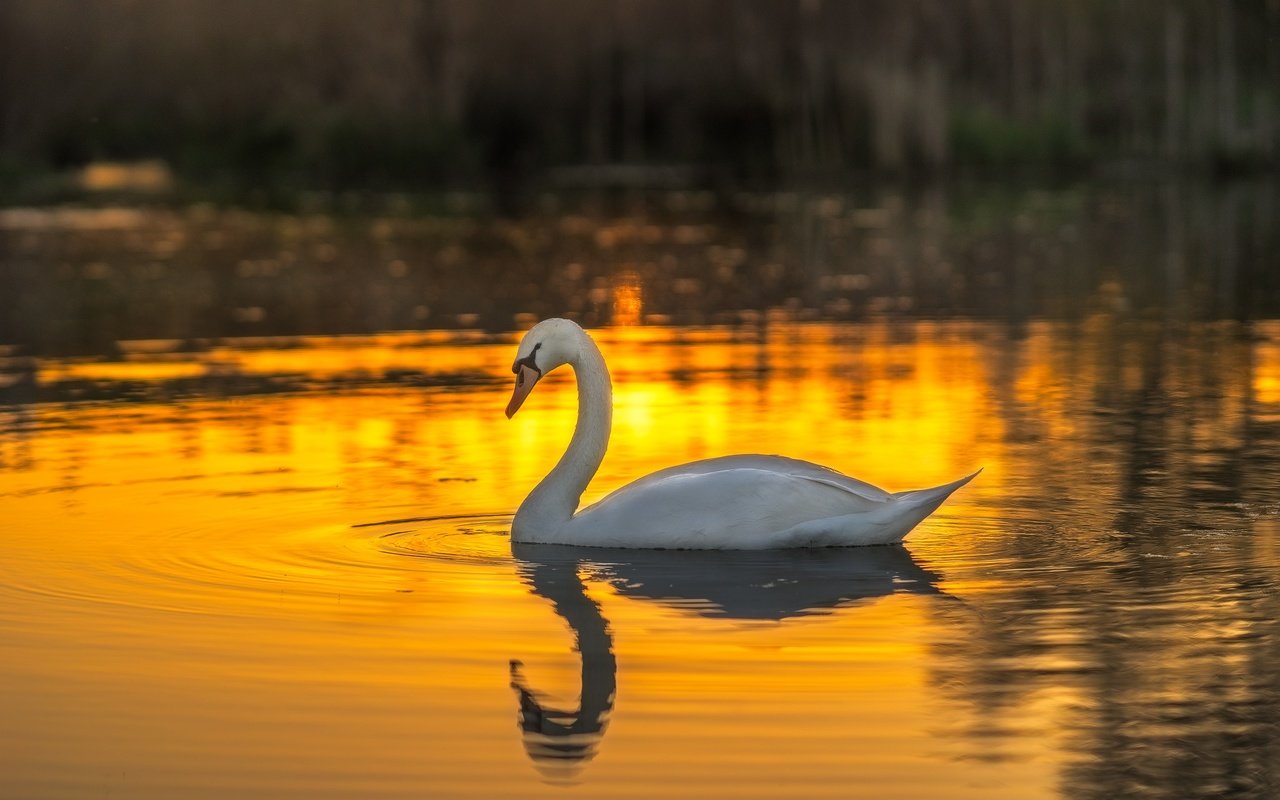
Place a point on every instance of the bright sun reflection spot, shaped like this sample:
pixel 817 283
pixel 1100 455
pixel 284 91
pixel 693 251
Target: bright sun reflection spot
pixel 1266 381
pixel 136 176
pixel 628 299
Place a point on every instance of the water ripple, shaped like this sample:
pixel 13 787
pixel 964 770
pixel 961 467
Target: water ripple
pixel 280 571
pixel 458 538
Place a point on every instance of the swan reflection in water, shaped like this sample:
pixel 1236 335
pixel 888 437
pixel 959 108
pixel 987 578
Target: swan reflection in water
pixel 740 585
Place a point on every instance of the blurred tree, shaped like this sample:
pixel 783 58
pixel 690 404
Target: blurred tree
pixel 435 91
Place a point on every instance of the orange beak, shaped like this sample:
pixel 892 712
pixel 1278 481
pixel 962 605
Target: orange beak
pixel 526 378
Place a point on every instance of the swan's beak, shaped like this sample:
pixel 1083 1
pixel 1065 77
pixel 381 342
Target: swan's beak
pixel 525 380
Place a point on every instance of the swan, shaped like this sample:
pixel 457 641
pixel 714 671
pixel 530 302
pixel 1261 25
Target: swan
pixel 739 502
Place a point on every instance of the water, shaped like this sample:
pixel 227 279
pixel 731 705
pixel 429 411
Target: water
pixel 280 568
pixel 79 281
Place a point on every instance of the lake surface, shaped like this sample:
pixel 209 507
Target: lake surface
pixel 79 280
pixel 279 567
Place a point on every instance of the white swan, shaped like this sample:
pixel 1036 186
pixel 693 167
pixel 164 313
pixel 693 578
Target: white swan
pixel 743 502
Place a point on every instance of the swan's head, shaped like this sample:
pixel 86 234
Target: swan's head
pixel 549 344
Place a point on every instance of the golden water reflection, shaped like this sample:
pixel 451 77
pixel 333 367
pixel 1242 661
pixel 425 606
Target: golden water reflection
pixel 301 585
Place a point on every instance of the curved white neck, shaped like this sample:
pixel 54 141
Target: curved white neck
pixel 552 502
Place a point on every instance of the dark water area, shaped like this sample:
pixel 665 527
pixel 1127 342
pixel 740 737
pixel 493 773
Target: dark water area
pixel 79 280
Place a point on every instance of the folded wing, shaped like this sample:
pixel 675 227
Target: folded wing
pixel 738 502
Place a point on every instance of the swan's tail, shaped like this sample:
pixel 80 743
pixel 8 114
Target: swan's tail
pixel 887 524
pixel 909 509
pixel 933 497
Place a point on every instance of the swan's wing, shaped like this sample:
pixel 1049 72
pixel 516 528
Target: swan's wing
pixel 781 465
pixel 725 507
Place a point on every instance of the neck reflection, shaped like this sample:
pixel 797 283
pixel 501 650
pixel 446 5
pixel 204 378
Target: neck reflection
pixel 561 741
pixel 762 585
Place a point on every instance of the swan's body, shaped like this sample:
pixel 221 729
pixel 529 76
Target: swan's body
pixel 742 502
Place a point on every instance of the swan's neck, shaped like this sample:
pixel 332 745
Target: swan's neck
pixel 552 502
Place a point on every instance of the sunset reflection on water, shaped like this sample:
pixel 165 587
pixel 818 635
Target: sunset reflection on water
pixel 281 566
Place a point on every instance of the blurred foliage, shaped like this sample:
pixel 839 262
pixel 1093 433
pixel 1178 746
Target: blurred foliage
pixel 984 138
pixel 339 94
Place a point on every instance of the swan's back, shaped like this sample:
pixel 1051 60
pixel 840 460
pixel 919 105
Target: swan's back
pixel 748 502
pixel 782 465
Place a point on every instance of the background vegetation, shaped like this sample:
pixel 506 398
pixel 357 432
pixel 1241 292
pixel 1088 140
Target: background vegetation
pixel 340 94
